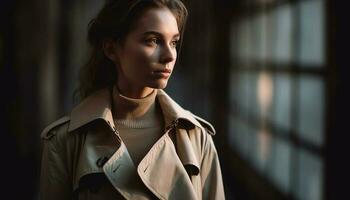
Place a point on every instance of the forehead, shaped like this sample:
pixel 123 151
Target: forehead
pixel 160 20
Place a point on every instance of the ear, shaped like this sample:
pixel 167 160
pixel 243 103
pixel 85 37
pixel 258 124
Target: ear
pixel 110 48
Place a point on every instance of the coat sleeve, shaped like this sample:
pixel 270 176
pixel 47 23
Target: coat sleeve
pixel 55 181
pixel 212 184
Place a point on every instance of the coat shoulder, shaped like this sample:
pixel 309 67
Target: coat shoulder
pixel 54 127
pixel 208 126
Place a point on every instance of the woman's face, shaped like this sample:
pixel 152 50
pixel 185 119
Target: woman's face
pixel 147 56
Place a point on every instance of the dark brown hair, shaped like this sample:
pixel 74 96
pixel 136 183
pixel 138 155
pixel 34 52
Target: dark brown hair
pixel 116 20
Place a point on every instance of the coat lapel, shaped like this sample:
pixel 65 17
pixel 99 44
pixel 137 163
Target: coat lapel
pixel 95 147
pixel 163 173
pixel 121 172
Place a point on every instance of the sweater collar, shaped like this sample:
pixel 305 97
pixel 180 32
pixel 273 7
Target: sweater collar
pixel 131 108
pixel 99 106
pixel 136 113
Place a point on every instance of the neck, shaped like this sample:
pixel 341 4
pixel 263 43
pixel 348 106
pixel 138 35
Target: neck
pixel 132 108
pixel 133 92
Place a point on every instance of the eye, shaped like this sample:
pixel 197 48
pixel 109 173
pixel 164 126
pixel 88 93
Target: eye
pixel 174 43
pixel 152 41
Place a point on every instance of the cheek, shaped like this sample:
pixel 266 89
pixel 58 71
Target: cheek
pixel 135 60
pixel 140 56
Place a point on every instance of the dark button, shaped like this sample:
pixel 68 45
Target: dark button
pixel 101 161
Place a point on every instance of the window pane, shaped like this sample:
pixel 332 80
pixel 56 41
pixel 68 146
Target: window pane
pixel 252 141
pixel 240 88
pixel 262 150
pixel 311 32
pixel 283 34
pixel 253 94
pixel 282 101
pixel 279 167
pixel 241 137
pixel 243 42
pixel 259 27
pixel 311 109
pixel 309 176
pixel 243 91
pixel 264 94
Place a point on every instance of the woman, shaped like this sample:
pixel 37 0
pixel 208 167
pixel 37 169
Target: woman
pixel 127 139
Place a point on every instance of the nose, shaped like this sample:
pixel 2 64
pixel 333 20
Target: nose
pixel 168 54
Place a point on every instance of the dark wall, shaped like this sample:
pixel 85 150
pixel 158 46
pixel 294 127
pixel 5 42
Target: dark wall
pixel 338 170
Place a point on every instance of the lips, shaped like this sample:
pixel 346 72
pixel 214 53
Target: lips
pixel 163 71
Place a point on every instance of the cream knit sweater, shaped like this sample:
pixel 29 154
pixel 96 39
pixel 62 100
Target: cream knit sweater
pixel 139 122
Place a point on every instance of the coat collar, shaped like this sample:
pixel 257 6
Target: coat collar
pixel 99 106
pixel 156 163
pixel 153 171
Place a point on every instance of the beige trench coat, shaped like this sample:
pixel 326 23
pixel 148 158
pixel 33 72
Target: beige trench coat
pixel 85 158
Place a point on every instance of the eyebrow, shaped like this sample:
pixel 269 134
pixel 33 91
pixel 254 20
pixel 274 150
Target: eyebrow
pixel 158 34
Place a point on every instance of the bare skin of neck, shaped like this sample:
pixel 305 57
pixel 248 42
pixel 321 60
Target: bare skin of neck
pixel 127 109
pixel 133 92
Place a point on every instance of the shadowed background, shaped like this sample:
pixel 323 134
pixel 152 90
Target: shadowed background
pixel 269 74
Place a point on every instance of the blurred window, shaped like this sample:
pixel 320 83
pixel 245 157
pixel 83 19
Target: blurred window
pixel 277 93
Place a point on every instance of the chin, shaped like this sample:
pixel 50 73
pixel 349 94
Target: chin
pixel 160 84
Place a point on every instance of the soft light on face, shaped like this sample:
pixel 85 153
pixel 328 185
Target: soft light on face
pixel 148 54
